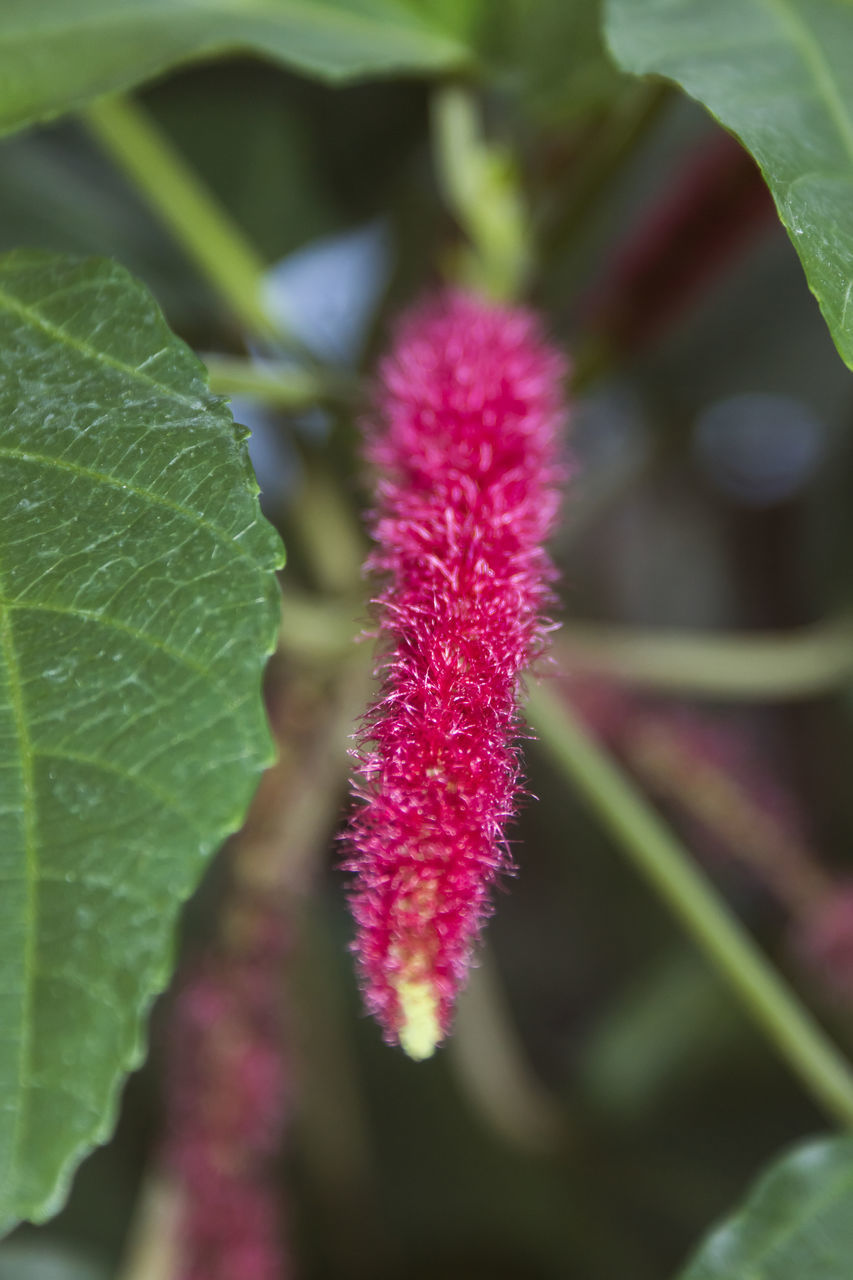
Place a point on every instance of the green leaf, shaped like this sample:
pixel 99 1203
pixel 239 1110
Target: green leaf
pixel 796 1224
pixel 56 55
pixel 465 19
pixel 778 74
pixel 557 58
pixel 62 194
pixel 137 604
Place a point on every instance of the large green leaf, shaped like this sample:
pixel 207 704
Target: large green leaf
pixel 796 1224
pixel 56 55
pixel 137 604
pixel 779 74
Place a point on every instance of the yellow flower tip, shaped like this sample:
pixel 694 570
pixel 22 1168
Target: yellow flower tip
pixel 420 1030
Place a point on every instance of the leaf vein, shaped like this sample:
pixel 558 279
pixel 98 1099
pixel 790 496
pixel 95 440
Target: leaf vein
pixel 30 879
pixel 58 334
pixel 165 797
pixel 103 477
pixel 108 620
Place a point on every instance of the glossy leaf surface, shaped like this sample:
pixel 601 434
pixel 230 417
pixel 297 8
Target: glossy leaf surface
pixel 138 602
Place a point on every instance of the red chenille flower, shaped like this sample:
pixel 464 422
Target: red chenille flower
pixel 465 445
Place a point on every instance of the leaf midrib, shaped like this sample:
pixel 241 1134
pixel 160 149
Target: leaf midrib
pixel 16 697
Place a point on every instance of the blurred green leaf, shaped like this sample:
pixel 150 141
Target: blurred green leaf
pixel 554 53
pixel 464 18
pixel 138 605
pixel 667 1027
pixel 796 1223
pixel 60 193
pixel 778 74
pixel 56 55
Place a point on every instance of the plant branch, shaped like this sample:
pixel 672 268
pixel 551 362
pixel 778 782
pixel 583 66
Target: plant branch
pixel 481 188
pixel 318 628
pixel 282 386
pixel 490 1063
pixel 152 1250
pixel 667 866
pixel 756 667
pixel 192 213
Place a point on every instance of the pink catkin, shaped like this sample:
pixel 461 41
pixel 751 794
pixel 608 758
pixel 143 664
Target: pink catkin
pixel 465 447
pixel 226 1101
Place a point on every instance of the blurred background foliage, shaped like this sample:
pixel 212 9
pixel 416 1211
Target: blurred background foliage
pixel 604 1098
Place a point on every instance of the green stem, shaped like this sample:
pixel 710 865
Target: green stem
pixel 756 667
pixel 192 213
pixel 491 1065
pixel 283 386
pixel 152 1248
pixel 321 630
pixel 327 530
pixel 480 186
pixel 664 862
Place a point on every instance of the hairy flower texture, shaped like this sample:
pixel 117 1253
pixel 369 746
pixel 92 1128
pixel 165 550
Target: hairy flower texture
pixel 465 446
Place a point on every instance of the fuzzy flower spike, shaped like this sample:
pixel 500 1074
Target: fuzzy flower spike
pixel 465 447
